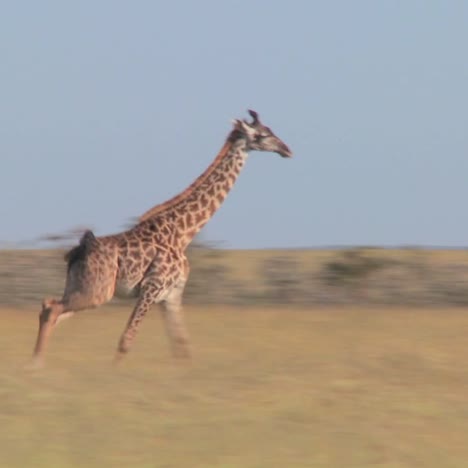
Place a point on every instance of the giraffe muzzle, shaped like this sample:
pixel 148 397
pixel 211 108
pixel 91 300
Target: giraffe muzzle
pixel 285 152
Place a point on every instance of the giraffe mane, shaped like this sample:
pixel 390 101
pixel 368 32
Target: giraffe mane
pixel 158 209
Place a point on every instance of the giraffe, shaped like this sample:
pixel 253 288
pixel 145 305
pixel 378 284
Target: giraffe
pixel 148 261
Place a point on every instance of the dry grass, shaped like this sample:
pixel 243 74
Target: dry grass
pixel 266 388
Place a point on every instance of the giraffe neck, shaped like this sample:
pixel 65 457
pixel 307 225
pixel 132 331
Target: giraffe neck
pixel 191 209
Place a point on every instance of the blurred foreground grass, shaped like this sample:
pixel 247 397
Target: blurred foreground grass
pixel 331 387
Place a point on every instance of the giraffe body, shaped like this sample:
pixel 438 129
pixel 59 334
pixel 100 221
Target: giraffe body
pixel 148 261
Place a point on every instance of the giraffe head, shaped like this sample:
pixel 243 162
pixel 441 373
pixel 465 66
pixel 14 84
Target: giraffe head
pixel 260 137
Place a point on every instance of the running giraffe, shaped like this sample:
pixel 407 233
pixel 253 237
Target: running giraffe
pixel 148 261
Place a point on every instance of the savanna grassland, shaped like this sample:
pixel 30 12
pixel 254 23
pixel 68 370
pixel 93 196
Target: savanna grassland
pixel 338 386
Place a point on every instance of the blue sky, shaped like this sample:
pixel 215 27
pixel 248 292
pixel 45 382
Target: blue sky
pixel 109 107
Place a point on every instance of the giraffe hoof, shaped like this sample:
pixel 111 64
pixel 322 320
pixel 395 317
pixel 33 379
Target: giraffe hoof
pixel 36 363
pixel 119 355
pixel 182 352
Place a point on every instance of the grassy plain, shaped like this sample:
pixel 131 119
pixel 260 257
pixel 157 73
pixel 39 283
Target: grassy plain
pixel 331 387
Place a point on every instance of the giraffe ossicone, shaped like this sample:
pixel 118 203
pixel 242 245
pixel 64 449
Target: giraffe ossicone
pixel 149 259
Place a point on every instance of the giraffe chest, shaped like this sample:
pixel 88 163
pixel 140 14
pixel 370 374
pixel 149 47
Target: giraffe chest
pixel 125 288
pixel 131 271
pixel 150 262
pixel 127 283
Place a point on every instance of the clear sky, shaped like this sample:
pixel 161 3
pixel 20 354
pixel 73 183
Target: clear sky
pixel 109 107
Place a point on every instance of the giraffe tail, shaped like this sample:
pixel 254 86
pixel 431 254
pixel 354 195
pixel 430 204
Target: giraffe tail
pixel 81 251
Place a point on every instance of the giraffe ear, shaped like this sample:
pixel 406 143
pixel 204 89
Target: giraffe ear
pixel 240 125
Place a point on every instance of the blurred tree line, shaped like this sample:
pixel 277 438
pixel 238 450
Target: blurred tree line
pixel 347 276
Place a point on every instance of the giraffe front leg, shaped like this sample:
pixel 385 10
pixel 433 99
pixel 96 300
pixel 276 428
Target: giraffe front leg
pixel 148 296
pixel 175 323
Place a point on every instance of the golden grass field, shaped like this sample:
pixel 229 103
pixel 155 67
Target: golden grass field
pixel 336 387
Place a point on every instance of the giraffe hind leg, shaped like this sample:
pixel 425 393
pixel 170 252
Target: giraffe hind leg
pixel 52 312
pixel 90 282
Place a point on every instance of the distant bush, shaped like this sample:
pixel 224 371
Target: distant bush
pixel 27 276
pixel 208 273
pixel 282 280
pixel 351 270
